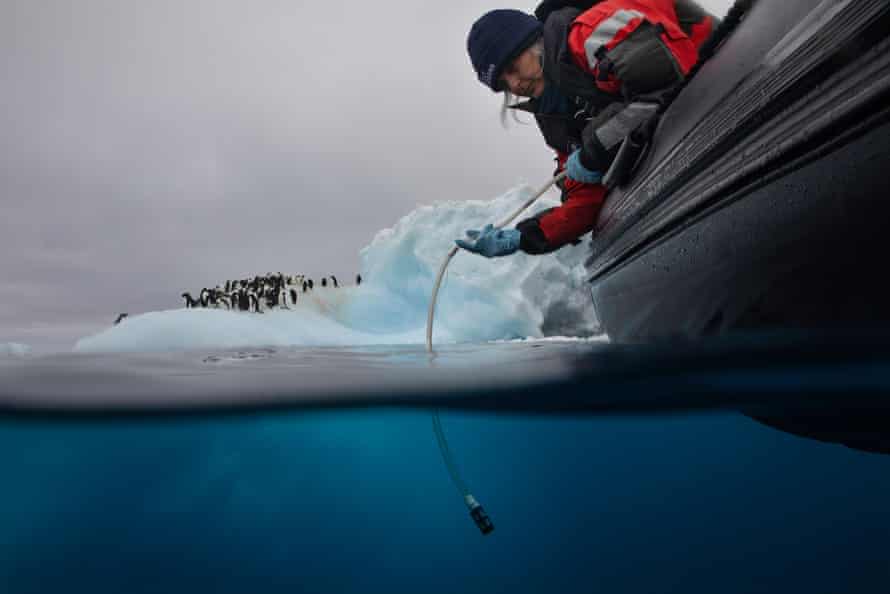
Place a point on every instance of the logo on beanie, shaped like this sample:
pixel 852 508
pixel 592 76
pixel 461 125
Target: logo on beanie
pixel 487 77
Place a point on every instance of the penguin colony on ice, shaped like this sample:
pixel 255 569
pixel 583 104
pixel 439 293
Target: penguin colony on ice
pixel 259 293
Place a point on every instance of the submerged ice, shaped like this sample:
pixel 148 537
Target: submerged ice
pixel 481 299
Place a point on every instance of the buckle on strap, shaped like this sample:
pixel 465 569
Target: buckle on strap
pixel 604 66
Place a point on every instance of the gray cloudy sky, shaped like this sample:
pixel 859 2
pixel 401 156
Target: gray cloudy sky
pixel 158 146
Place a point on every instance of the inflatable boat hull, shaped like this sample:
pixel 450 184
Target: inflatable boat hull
pixel 764 197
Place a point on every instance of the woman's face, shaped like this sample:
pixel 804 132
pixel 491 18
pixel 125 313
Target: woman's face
pixel 524 76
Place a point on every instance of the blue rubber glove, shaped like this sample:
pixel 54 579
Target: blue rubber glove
pixel 491 242
pixel 578 172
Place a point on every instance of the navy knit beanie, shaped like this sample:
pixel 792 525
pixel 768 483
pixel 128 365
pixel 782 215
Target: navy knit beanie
pixel 496 39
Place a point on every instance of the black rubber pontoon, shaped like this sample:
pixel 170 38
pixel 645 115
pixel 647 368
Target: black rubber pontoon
pixel 762 200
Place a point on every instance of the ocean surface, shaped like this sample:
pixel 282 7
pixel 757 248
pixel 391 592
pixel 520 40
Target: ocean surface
pixel 675 496
pixel 206 450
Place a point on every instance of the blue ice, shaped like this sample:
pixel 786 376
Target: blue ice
pixel 480 300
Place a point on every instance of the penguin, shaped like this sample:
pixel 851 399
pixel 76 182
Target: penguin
pixel 324 281
pixel 305 286
pixel 293 296
pixel 334 279
pixel 358 279
pixel 272 297
pixel 255 301
pixel 282 298
pixel 221 297
pixel 190 301
pixel 243 300
pixel 120 317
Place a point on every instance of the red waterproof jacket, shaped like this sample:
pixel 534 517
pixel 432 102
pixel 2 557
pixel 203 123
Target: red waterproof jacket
pixel 619 28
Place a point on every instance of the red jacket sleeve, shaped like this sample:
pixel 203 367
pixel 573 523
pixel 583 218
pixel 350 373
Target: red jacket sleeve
pixel 554 228
pixel 576 215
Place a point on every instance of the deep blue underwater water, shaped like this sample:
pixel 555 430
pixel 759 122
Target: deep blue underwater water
pixel 360 501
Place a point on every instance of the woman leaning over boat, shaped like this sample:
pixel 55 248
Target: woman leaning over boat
pixel 589 77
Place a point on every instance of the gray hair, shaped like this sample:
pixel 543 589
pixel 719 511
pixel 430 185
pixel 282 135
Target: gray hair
pixel 509 98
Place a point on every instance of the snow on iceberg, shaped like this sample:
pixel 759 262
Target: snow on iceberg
pixel 481 299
